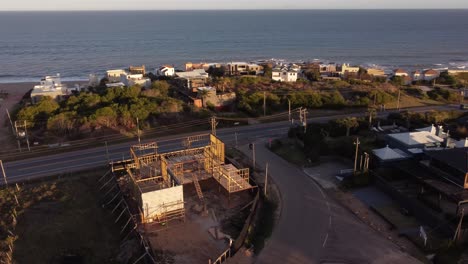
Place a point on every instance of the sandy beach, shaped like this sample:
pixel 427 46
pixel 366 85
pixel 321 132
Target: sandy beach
pixel 15 91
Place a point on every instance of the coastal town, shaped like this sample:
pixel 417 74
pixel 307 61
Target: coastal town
pixel 387 146
pixel 196 78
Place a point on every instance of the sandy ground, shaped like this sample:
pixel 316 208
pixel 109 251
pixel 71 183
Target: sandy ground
pixel 15 92
pixel 190 241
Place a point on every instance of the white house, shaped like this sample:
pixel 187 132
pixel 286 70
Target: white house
pixel 114 75
pixel 430 75
pixel 284 74
pixel 49 86
pixel 135 79
pixel 165 70
pixel 400 73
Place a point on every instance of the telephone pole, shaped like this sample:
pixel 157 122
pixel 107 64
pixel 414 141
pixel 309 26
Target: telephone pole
pixel 11 122
pixel 4 175
pixel 26 132
pixel 264 103
pixel 213 125
pixel 266 179
pixel 289 107
pixel 399 96
pixel 356 143
pixel 303 118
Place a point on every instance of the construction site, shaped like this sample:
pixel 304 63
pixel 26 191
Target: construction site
pixel 180 202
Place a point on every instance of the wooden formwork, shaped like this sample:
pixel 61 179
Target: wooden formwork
pixel 232 179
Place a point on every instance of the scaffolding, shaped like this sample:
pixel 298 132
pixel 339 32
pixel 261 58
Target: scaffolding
pixel 158 178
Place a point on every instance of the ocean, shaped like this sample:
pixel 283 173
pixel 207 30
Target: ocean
pixel 75 44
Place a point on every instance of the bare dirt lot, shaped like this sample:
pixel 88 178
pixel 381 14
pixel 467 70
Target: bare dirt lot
pixel 194 241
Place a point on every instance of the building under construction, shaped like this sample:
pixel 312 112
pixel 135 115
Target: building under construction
pixel 155 180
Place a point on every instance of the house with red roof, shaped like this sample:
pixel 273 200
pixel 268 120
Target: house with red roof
pixel 430 75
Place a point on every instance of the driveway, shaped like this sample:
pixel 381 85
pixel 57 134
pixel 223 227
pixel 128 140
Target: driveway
pixel 314 229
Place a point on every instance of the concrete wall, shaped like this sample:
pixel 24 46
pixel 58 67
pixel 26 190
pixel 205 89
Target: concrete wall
pixel 153 201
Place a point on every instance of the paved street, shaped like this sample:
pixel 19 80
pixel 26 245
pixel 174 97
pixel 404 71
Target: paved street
pixel 89 158
pixel 314 229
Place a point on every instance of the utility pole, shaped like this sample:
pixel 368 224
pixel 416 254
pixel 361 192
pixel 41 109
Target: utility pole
pixel 17 137
pixel 11 122
pixel 356 143
pixel 289 107
pixel 303 116
pixel 138 131
pixel 399 95
pixel 213 125
pixel 264 103
pixel 4 175
pixel 266 179
pixel 26 132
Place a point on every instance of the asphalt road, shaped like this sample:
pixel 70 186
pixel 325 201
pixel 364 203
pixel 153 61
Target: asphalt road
pixel 314 229
pixel 63 163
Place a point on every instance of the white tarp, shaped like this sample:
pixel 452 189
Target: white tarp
pixel 160 201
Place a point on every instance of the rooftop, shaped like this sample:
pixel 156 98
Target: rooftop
pixel 192 74
pixel 417 138
pixel 388 153
pixel 456 158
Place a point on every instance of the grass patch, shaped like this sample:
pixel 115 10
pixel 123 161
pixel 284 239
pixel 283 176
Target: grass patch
pixel 62 218
pixel 264 227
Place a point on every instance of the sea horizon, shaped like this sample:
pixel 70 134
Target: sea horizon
pixel 92 41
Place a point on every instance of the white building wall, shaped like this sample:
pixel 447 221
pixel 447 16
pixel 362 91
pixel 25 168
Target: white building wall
pixel 153 201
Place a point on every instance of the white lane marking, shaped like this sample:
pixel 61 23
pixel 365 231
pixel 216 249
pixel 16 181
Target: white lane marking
pixel 325 241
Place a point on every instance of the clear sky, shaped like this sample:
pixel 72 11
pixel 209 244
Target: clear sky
pixel 225 4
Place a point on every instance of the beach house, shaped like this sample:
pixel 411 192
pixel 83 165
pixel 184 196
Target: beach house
pixel 345 69
pixel 243 68
pixel 400 73
pixel 49 86
pixel 165 70
pixel 285 73
pixel 137 69
pixel 135 79
pixel 113 76
pixel 193 79
pixel 430 75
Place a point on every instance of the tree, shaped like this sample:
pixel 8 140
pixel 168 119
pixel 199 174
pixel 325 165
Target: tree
pixel 106 116
pixel 312 74
pixel 348 123
pixel 161 87
pixel 397 81
pixel 216 71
